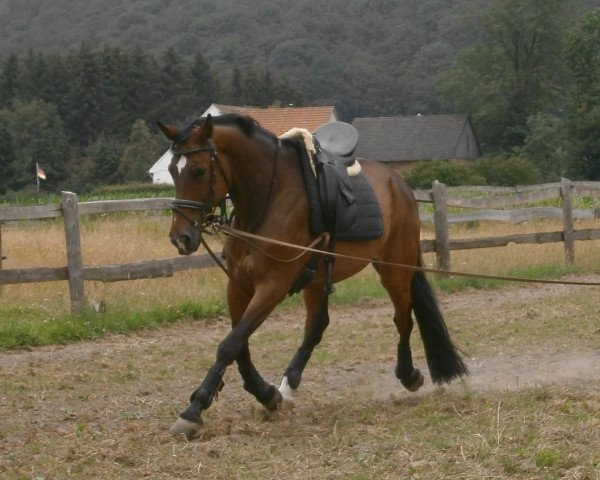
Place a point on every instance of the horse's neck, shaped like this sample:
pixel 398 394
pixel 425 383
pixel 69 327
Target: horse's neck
pixel 262 184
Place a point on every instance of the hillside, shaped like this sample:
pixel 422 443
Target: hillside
pixel 364 56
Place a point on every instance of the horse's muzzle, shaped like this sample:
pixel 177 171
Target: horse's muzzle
pixel 186 244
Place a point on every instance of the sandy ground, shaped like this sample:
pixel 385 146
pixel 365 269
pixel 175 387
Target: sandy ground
pixel 512 371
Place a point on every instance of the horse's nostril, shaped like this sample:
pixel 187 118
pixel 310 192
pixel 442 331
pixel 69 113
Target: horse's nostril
pixel 182 242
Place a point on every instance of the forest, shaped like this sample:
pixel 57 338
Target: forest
pixel 81 89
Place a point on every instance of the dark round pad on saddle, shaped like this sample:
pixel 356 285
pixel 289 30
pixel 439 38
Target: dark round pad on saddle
pixel 338 138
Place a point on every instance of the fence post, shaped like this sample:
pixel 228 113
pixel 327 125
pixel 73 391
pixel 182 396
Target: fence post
pixel 567 217
pixel 73 244
pixel 440 222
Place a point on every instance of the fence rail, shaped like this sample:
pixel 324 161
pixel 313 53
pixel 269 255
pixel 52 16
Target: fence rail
pixel 491 203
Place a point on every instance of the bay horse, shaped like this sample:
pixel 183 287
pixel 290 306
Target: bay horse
pixel 233 155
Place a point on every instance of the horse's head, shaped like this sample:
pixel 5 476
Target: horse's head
pixel 200 184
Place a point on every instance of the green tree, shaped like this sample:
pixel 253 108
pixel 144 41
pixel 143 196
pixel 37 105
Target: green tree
pixel 583 121
pixel 84 101
pixel 512 73
pixel 141 97
pixel 204 84
pixel 38 137
pixel 33 76
pixel 7 157
pixel 547 145
pixel 139 154
pixel 55 89
pixel 114 117
pixel 236 94
pixel 105 154
pixel 175 89
pixel 9 81
pixel 257 87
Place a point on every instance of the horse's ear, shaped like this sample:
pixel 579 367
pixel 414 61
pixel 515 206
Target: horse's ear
pixel 168 130
pixel 207 126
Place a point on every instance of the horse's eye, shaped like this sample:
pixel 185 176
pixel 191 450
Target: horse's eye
pixel 199 172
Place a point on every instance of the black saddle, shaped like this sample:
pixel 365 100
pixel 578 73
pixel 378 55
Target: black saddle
pixel 342 205
pixel 337 140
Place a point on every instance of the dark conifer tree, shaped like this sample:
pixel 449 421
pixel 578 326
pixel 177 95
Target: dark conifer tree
pixel 204 85
pixel 34 77
pixel 175 87
pixel 84 99
pixel 9 81
pixel 7 157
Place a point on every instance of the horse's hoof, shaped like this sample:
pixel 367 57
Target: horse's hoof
pixel 185 427
pixel 417 381
pixel 276 400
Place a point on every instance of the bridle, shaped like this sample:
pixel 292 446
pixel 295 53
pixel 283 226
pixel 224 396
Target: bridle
pixel 207 207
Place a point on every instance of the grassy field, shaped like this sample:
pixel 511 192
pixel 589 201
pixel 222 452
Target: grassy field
pixel 38 314
pixel 101 408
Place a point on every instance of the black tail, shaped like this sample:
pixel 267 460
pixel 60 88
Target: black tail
pixel 442 356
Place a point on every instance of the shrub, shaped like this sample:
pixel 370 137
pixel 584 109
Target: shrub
pixel 452 174
pixel 507 172
pixel 497 171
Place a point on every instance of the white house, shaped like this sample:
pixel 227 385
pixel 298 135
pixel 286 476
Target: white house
pixel 160 170
pixel 277 120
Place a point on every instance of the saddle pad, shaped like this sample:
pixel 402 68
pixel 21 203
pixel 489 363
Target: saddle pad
pixel 345 206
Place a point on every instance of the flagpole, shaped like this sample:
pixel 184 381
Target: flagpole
pixel 37 179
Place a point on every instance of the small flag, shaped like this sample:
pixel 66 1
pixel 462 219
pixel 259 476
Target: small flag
pixel 40 172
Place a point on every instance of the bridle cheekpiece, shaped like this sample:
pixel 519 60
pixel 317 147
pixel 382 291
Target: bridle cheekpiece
pixel 207 207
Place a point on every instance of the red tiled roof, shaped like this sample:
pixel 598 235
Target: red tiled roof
pixel 280 120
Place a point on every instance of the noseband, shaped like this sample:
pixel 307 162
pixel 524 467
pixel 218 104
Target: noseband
pixel 206 207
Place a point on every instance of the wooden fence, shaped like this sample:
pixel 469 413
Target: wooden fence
pixel 490 205
pixel 499 204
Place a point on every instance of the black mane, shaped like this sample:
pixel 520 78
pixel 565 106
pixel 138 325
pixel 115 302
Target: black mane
pixel 246 124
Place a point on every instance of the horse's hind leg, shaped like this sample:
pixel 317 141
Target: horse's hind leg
pixel 398 284
pixel 317 320
pixel 254 383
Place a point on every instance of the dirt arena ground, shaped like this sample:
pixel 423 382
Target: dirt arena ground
pixel 529 409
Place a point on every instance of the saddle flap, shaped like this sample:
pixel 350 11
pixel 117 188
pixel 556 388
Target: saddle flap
pixel 337 138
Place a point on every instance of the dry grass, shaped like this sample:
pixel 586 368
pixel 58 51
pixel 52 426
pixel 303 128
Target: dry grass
pixel 106 240
pixel 112 239
pixel 516 257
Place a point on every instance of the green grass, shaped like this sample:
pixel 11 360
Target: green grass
pixel 27 327
pixel 542 272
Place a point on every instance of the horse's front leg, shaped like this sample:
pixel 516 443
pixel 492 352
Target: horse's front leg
pixel 254 383
pixel 233 347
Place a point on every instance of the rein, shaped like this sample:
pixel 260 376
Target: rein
pixel 227 229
